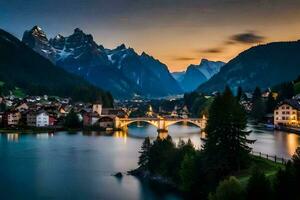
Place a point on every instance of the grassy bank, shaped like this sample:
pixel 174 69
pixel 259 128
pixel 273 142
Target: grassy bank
pixel 269 167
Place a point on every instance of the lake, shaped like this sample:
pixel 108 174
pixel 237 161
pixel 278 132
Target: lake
pixel 67 165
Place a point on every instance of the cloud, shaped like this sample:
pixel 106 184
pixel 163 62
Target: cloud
pixel 212 50
pixel 249 37
pixel 182 58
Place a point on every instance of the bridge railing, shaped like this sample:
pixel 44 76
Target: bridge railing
pixel 273 158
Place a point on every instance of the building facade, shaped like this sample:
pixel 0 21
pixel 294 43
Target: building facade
pixel 287 113
pixel 38 119
pixel 12 118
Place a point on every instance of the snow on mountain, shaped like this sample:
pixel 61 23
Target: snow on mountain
pixel 121 70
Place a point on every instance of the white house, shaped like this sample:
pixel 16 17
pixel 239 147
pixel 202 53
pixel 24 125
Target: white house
pixel 287 113
pixel 38 119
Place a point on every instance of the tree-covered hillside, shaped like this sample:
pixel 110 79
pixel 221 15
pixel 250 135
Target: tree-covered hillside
pixel 263 66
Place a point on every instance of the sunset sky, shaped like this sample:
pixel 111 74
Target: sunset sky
pixel 177 32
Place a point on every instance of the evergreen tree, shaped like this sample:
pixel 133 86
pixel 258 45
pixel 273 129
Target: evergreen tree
pixel 271 103
pixel 285 184
pixel 226 145
pixel 161 151
pixel 72 120
pixel 229 189
pixel 187 172
pixel 258 106
pixel 258 186
pixel 144 154
pixel 239 93
pixel 2 107
pixel 286 91
pixel 256 94
pixel 296 163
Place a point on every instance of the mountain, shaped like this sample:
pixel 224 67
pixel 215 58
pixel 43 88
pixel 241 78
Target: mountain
pixel 195 75
pixel 264 66
pixel 178 76
pixel 22 67
pixel 121 70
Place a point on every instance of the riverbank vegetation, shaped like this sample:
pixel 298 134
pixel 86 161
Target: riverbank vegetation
pixel 223 168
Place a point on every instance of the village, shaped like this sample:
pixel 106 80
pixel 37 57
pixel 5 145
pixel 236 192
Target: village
pixel 44 112
pixel 51 112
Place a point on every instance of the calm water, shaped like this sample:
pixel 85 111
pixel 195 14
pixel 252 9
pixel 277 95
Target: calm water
pixel 79 166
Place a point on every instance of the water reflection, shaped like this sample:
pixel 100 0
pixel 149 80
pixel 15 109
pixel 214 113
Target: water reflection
pixel 292 143
pixel 12 137
pixel 121 134
pixel 84 161
pixel 44 135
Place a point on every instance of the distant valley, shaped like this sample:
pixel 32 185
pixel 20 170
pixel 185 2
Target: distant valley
pixel 195 75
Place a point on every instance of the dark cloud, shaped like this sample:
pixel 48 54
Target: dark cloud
pixel 212 50
pixel 182 58
pixel 246 38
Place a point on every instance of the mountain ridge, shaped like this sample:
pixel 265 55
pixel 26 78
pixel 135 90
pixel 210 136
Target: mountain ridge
pixel 22 67
pixel 121 70
pixel 263 65
pixel 198 74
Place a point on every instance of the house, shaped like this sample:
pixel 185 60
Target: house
pixel 52 120
pixel 287 113
pixel 22 106
pixel 64 110
pixel 11 118
pixel 90 118
pixel 106 122
pixel 114 112
pixel 38 119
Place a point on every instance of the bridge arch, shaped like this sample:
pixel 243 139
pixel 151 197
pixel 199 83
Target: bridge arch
pixel 125 124
pixel 195 122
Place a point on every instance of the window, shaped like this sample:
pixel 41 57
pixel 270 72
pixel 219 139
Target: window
pixel 283 112
pixel 276 113
pixel 287 107
pixel 283 118
pixel 287 112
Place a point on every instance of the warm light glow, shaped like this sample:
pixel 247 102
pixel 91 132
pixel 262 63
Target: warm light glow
pixel 13 137
pixel 121 135
pixel 292 143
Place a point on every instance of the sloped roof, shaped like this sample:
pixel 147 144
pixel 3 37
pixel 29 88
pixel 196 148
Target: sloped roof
pixel 292 102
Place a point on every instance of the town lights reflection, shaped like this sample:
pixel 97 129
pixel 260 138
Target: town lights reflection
pixel 121 134
pixel 12 137
pixel 292 143
pixel 44 135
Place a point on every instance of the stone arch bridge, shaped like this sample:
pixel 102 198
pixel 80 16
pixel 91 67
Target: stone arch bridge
pixel 161 124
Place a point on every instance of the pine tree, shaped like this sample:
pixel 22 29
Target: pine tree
pixel 256 94
pixel 258 106
pixel 271 103
pixel 226 145
pixel 144 154
pixel 239 93
pixel 258 186
pixel 72 120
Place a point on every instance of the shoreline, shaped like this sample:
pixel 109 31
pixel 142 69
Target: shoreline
pixel 50 129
